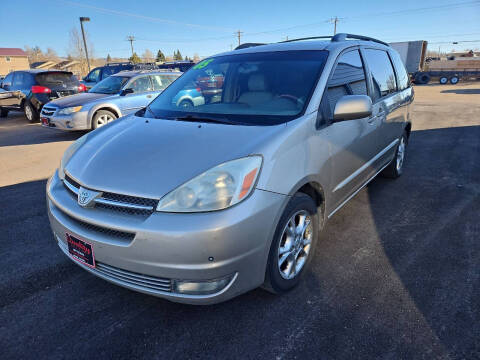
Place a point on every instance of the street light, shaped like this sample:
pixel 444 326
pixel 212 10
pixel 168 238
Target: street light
pixel 82 19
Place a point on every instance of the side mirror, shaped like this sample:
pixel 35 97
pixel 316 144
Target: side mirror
pixel 126 92
pixel 351 107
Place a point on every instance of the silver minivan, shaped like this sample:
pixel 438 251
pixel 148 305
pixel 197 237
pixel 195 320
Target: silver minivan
pixel 199 204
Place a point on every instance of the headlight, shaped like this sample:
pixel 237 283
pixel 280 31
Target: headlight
pixel 68 154
pixel 218 188
pixel 69 110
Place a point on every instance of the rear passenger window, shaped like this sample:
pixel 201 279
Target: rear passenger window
pixel 402 75
pixel 347 79
pixel 383 77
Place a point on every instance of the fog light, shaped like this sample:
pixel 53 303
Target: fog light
pixel 201 287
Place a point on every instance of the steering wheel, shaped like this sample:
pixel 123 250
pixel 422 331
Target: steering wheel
pixel 293 98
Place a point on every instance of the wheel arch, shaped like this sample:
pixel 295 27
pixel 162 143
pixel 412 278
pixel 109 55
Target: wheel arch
pixel 314 189
pixel 108 107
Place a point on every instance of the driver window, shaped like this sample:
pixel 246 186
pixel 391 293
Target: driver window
pixel 141 84
pixel 347 79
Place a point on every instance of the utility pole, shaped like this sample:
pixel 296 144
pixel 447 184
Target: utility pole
pixel 131 38
pixel 334 21
pixel 82 19
pixel 239 34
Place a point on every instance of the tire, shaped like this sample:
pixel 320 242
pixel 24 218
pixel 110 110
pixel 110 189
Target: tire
pixel 278 279
pixel 422 79
pixel 3 112
pixel 102 117
pixel 443 80
pixel 185 104
pixel 454 80
pixel 395 168
pixel 30 112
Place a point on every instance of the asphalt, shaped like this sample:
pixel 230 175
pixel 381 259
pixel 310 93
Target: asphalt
pixel 396 274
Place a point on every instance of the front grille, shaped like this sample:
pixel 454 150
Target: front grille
pixel 117 202
pixel 48 111
pixel 121 235
pixel 125 277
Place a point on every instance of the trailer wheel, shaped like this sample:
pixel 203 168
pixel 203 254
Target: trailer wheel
pixel 422 79
pixel 454 80
pixel 443 80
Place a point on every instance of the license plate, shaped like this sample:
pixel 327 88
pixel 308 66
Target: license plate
pixel 45 121
pixel 80 250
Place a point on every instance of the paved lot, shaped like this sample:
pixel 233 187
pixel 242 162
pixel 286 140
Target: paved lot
pixel 396 275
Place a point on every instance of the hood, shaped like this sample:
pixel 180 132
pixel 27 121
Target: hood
pixel 78 99
pixel 149 159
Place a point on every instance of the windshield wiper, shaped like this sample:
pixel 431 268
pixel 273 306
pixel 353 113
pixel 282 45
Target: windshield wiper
pixel 206 119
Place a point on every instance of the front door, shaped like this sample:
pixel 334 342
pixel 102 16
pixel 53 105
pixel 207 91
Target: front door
pixel 142 95
pixel 353 143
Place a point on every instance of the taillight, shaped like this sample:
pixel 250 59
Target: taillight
pixel 198 89
pixel 82 88
pixel 37 89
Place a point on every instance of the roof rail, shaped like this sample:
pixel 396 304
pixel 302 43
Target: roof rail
pixel 306 38
pixel 118 63
pixel 344 36
pixel 247 45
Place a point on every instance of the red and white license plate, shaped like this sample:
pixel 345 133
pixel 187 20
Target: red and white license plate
pixel 80 250
pixel 45 121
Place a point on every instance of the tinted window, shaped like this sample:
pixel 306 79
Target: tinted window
pixel 382 73
pixel 160 82
pixel 141 84
pixel 263 88
pixel 56 78
pixel 348 78
pixel 402 75
pixel 19 80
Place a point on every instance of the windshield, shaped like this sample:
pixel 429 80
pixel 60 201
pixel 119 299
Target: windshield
pixel 110 85
pixel 257 89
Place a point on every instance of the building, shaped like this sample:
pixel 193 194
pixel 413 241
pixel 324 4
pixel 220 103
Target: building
pixel 12 59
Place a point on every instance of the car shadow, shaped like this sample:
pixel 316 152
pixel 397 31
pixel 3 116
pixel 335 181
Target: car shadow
pixel 462 91
pixel 395 275
pixel 16 130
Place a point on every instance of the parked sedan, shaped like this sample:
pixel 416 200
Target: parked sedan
pixel 29 90
pixel 118 95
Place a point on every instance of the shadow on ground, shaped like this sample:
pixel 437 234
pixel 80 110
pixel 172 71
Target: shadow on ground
pixel 395 275
pixel 462 91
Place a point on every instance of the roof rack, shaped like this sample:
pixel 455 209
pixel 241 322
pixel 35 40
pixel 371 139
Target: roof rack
pixel 307 38
pixel 344 36
pixel 118 63
pixel 247 45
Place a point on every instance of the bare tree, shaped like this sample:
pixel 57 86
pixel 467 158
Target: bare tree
pixel 196 58
pixel 51 55
pixel 148 56
pixel 34 54
pixel 76 49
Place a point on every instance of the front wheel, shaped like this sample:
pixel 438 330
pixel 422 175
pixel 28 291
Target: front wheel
pixel 102 117
pixel 395 169
pixel 293 244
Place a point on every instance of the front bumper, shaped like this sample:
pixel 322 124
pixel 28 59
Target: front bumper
pixel 166 247
pixel 75 121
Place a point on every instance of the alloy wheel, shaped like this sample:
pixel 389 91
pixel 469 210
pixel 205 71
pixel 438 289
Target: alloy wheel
pixel 295 244
pixel 28 112
pixel 401 153
pixel 103 120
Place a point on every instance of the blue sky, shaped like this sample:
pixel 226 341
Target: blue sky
pixel 207 27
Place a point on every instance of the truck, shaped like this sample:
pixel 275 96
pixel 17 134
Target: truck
pixel 421 71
